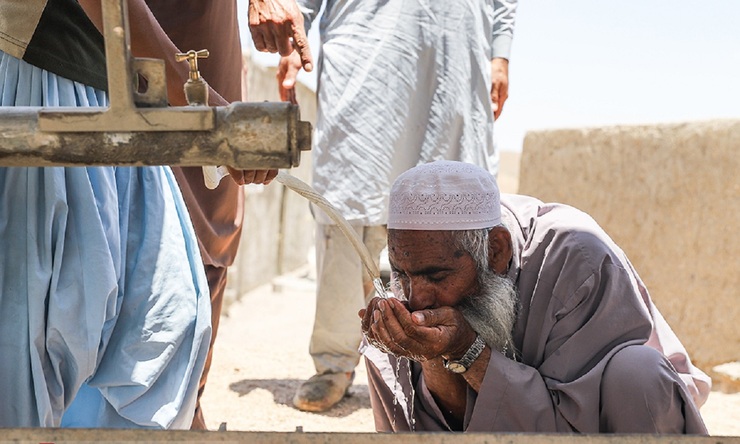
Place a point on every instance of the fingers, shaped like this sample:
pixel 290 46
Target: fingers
pixel 300 42
pixel 255 29
pixel 499 94
pixel 499 85
pixel 287 74
pixel 391 325
pixel 381 335
pixel 259 177
pixel 421 335
pixel 258 39
pixel 236 175
pixel 256 176
pixel 366 314
pixel 502 99
pixel 282 38
pixel 271 174
pixel 261 27
pixel 386 330
pixel 494 102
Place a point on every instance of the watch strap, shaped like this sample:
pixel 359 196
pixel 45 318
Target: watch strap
pixel 475 350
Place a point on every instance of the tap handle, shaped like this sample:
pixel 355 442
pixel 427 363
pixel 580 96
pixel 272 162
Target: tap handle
pixel 196 88
pixel 192 59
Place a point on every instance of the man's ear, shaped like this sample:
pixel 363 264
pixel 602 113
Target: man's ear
pixel 499 249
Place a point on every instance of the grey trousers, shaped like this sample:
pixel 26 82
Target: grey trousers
pixel 340 294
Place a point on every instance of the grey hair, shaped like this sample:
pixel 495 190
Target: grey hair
pixel 475 243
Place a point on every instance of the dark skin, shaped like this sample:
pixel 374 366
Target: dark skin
pixel 435 277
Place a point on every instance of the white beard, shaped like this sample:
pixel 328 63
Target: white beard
pixel 492 312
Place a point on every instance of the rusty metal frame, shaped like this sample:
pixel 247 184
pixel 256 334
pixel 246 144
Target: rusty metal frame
pixel 141 129
pixel 123 115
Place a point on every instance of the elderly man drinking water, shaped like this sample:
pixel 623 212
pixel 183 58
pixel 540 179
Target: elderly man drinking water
pixel 516 316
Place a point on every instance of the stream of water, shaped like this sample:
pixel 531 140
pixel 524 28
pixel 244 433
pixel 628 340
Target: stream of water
pixel 309 193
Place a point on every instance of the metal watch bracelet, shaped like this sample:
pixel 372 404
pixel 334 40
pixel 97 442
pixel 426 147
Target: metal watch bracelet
pixel 463 364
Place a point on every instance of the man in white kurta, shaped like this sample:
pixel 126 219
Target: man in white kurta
pixel 400 83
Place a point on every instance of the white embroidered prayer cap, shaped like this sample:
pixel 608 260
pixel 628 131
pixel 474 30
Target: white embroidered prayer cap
pixel 444 195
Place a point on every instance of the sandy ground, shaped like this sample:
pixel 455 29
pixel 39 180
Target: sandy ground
pixel 261 357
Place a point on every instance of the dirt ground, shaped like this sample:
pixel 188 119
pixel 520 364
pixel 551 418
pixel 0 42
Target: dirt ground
pixel 261 357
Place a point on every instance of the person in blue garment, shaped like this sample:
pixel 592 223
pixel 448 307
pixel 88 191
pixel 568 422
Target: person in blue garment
pixel 106 286
pixel 101 279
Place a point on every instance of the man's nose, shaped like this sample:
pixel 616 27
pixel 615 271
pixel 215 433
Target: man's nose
pixel 420 295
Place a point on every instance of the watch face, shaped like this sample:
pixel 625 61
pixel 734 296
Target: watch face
pixel 456 367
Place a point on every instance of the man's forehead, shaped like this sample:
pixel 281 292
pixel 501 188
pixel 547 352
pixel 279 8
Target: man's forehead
pixel 413 237
pixel 422 247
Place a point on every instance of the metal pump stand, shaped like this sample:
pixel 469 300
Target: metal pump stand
pixel 141 129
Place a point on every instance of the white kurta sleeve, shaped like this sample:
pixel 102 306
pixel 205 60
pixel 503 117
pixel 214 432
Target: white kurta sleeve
pixel 310 9
pixel 503 27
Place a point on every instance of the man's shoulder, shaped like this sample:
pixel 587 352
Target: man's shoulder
pixel 559 231
pixel 532 214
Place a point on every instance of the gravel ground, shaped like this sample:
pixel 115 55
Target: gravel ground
pixel 261 357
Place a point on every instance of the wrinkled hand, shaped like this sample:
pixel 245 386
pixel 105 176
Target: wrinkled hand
pixel 499 85
pixel 245 177
pixel 273 23
pixel 422 335
pixel 286 75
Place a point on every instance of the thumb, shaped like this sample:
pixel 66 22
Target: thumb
pixel 432 317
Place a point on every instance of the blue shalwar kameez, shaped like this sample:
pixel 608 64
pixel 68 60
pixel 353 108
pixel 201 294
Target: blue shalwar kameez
pixel 104 307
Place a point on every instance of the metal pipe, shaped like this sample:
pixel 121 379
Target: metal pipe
pixel 245 135
pixel 138 128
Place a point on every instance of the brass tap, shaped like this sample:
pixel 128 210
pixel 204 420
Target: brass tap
pixel 196 88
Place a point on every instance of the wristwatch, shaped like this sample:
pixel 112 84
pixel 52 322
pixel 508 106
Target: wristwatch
pixel 463 364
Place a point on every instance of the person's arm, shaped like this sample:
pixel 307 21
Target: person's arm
pixel 503 33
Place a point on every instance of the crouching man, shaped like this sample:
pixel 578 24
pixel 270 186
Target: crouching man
pixel 516 316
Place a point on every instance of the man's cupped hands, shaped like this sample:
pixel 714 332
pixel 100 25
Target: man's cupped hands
pixel 420 335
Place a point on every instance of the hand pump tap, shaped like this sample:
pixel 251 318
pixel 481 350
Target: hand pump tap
pixel 196 88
